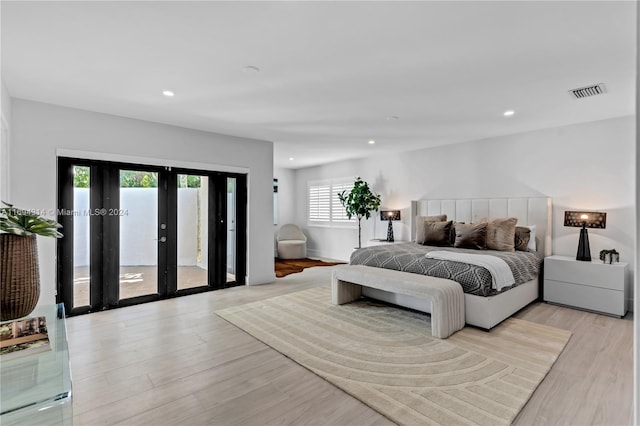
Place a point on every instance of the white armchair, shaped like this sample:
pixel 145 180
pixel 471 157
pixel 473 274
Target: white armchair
pixel 292 243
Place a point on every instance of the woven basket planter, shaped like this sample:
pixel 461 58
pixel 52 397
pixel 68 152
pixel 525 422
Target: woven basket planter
pixel 19 276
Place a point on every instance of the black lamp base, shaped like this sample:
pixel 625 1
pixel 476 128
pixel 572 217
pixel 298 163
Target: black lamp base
pixel 584 251
pixel 390 232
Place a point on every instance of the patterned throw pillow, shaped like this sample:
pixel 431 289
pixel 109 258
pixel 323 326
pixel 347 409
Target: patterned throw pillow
pixel 521 241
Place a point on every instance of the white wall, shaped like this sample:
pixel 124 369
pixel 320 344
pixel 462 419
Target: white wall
pixel 286 195
pixel 286 198
pixel 187 227
pixel 5 136
pixel 38 130
pixel 636 328
pixel 584 166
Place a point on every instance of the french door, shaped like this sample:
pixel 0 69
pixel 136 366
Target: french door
pixel 138 233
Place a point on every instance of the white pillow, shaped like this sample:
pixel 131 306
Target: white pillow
pixel 532 238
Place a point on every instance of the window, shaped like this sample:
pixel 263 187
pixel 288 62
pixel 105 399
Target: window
pixel 324 204
pixel 319 206
pixel 338 212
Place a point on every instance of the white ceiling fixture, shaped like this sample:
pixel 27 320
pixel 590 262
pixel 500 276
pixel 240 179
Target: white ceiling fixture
pixel 291 158
pixel 509 113
pixel 168 93
pixel 371 142
pixel 443 67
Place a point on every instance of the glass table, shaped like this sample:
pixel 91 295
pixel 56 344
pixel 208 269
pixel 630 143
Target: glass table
pixel 35 388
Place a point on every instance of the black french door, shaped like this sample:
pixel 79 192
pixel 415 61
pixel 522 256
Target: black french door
pixel 139 233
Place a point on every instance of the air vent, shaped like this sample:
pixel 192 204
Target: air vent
pixel 585 92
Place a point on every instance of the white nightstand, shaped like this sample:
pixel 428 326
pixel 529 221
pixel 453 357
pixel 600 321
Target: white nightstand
pixel 594 286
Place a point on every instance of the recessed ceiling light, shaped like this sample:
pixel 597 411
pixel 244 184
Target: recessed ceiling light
pixel 371 142
pixel 393 118
pixel 509 113
pixel 250 69
pixel 168 93
pixel 291 158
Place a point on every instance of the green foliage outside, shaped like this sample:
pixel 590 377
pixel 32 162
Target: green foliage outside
pixel 188 181
pixel 133 179
pixel 360 202
pixel 81 177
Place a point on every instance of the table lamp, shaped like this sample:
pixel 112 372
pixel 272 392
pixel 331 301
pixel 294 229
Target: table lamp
pixel 584 220
pixel 390 215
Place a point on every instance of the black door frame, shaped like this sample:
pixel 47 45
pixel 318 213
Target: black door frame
pixel 104 233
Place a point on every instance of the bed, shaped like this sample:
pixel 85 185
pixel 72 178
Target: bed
pixel 484 307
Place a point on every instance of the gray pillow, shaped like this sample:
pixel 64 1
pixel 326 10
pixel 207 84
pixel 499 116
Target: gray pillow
pixel 473 236
pixel 420 222
pixel 437 233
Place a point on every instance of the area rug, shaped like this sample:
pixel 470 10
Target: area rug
pixel 291 266
pixel 386 357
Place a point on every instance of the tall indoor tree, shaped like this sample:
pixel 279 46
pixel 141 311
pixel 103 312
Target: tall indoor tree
pixel 359 202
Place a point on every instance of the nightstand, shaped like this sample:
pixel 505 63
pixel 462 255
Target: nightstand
pixel 382 242
pixel 594 286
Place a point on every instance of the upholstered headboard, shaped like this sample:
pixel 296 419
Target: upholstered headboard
pixel 529 211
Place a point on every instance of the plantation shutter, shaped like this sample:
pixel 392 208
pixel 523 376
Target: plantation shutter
pixel 319 203
pixel 338 212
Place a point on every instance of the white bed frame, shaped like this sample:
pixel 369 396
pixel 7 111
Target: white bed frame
pixel 480 311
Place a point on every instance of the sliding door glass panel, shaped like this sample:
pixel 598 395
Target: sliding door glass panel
pixel 231 229
pixel 193 250
pixel 81 233
pixel 138 214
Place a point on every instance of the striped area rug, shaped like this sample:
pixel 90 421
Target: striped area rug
pixel 386 357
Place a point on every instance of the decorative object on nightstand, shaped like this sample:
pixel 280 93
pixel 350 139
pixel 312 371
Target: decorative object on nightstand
pixel 390 215
pixel 587 285
pixel 612 255
pixel 584 220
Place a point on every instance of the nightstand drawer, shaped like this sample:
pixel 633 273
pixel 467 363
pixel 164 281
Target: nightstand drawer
pixel 586 273
pixel 585 297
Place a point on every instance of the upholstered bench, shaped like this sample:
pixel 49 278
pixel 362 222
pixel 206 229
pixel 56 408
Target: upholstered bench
pixel 446 296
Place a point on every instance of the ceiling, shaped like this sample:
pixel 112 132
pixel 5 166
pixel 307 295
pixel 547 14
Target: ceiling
pixel 332 74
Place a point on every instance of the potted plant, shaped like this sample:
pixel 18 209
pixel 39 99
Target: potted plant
pixel 360 202
pixel 612 255
pixel 19 273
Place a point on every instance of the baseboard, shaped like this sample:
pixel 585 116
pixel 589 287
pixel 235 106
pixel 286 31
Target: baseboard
pixel 318 255
pixel 313 253
pixel 262 279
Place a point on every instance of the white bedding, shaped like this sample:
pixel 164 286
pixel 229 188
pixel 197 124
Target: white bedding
pixel 501 275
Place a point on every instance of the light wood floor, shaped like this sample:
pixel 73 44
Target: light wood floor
pixel 139 281
pixel 176 362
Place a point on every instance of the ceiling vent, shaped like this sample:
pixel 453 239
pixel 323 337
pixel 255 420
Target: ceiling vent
pixel 585 92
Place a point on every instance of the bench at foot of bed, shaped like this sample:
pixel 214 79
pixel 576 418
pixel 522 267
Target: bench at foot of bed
pixel 446 296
